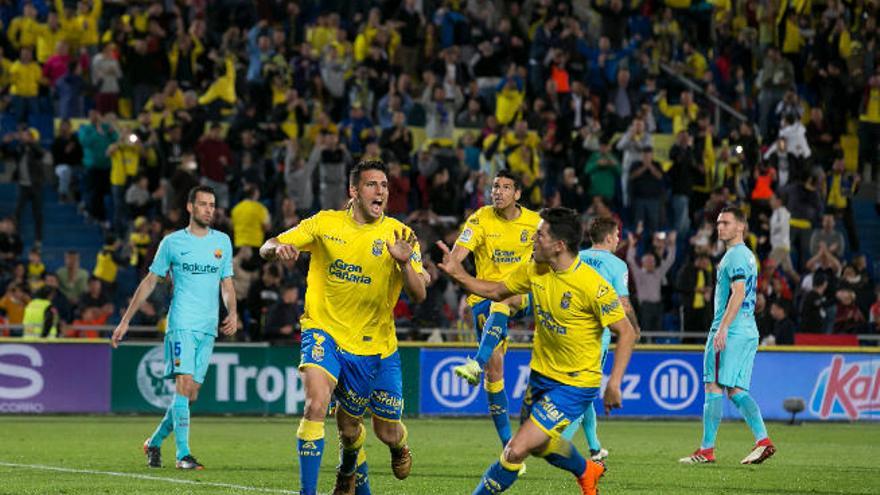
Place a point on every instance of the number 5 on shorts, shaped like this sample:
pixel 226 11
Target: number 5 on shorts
pixel 177 348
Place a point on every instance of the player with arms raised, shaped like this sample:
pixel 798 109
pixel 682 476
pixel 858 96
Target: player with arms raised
pixel 360 260
pixel 732 344
pixel 500 236
pixel 572 305
pixel 199 261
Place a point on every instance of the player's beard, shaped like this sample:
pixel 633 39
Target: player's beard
pixel 201 223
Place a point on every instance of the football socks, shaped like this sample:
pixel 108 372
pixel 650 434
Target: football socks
pixel 711 419
pixel 751 413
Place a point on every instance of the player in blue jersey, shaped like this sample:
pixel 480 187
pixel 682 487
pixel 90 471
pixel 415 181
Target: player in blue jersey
pixel 732 344
pixel 604 236
pixel 199 261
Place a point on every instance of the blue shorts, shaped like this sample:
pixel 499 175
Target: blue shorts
pixel 386 398
pixel 354 374
pixel 188 353
pixel 481 312
pixel 553 405
pixel 732 367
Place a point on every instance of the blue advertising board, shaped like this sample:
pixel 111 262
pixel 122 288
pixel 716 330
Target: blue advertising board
pixel 669 383
pixel 660 384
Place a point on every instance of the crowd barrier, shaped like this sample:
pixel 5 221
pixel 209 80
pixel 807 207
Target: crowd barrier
pixel 661 381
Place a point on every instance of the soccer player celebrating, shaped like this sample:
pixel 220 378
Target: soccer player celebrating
pixel 500 236
pixel 604 236
pixel 199 261
pixel 732 344
pixel 572 305
pixel 360 260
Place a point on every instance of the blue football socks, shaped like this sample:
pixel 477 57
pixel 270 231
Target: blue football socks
pixel 498 409
pixel 711 419
pixel 310 447
pixel 499 477
pixel 751 413
pixel 166 426
pixel 180 411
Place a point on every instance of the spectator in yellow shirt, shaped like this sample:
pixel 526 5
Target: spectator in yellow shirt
pixel 250 219
pixel 25 30
pixel 50 34
pixel 25 77
pixel 125 157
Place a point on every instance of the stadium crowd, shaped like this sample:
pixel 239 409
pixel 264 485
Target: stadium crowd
pixel 270 102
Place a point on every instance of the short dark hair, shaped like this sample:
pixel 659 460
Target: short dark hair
pixel 600 228
pixel 736 212
pixel 564 226
pixel 191 197
pixel 506 173
pixel 354 177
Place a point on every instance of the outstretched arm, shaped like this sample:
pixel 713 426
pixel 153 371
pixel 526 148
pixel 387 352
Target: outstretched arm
pixel 273 249
pixel 452 267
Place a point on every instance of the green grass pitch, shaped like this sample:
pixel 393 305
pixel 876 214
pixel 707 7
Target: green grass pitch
pixel 95 455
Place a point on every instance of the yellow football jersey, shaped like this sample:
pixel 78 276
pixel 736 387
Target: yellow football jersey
pixel 572 307
pixel 500 246
pixel 353 282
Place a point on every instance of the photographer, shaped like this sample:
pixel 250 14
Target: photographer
pixel 30 162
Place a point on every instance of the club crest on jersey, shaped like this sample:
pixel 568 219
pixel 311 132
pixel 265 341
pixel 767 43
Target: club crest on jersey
pixel 524 236
pixel 566 300
pixel 377 247
pixel 218 253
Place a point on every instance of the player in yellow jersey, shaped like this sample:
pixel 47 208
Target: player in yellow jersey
pixel 360 261
pixel 572 304
pixel 500 236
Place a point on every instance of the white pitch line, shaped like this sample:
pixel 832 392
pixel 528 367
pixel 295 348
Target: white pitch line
pixel 148 477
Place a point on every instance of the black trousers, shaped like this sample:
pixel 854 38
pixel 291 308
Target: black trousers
pixel 34 194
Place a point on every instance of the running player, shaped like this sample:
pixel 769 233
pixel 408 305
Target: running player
pixel 572 306
pixel 199 261
pixel 732 344
pixel 360 260
pixel 500 236
pixel 604 236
